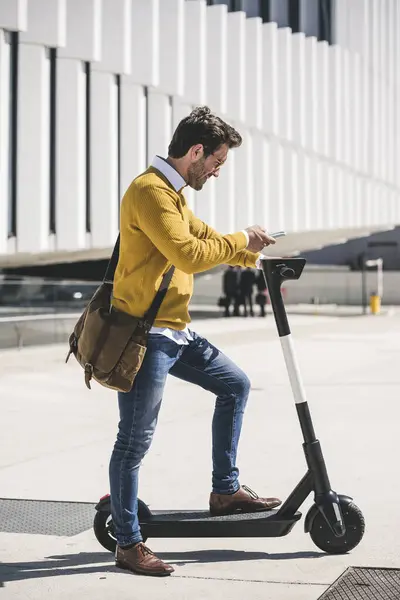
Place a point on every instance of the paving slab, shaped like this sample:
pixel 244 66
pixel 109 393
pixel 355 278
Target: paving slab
pixel 57 436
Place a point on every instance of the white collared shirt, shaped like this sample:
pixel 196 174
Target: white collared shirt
pixel 175 178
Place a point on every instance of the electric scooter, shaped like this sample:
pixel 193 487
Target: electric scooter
pixel 335 524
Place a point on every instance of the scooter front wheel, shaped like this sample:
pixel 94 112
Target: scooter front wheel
pixel 323 537
pixel 103 526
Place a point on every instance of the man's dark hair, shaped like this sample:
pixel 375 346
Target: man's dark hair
pixel 202 127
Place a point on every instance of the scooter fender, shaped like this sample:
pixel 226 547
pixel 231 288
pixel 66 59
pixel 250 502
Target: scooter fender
pixel 104 504
pixel 312 513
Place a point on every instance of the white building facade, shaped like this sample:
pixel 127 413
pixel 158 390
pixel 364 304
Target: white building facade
pixel 90 90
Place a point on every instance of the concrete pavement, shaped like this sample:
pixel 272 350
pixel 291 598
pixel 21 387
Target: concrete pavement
pixel 56 438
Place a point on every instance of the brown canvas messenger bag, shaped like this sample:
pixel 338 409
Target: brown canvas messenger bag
pixel 109 344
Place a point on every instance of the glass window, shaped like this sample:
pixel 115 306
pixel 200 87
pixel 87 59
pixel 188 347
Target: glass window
pixel 309 17
pixel 279 12
pixel 13 114
pixel 87 117
pixel 53 108
pixel 230 3
pixel 325 20
pixel 118 84
pixel 252 8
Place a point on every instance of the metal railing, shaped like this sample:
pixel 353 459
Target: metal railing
pixel 30 293
pixel 36 311
pixel 33 330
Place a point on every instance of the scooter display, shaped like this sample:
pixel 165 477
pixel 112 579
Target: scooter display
pixel 334 522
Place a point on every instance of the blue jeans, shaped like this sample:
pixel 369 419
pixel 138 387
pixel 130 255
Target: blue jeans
pixel 199 363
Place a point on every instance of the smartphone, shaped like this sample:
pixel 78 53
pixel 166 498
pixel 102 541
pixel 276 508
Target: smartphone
pixel 277 234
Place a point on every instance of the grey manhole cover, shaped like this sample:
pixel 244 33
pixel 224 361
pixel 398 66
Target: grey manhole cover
pixel 359 583
pixel 45 517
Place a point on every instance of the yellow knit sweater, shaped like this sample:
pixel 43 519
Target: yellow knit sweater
pixel 157 230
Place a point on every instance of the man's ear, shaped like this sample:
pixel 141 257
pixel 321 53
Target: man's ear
pixel 196 152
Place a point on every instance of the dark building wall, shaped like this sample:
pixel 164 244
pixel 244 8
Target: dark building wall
pixel 384 245
pixel 91 270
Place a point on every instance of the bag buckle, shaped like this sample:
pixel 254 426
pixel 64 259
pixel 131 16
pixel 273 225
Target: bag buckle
pixel 88 374
pixel 72 348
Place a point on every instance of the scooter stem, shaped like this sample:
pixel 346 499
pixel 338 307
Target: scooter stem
pixel 276 271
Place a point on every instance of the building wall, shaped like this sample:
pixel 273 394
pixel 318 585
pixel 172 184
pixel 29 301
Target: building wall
pixel 91 90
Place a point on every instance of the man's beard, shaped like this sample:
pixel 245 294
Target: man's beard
pixel 196 175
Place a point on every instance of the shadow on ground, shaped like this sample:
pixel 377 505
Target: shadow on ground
pixel 103 562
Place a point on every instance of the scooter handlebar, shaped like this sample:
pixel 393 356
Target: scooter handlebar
pixel 277 270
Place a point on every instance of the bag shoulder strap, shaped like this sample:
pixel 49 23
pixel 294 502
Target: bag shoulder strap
pixel 159 297
pixel 151 314
pixel 112 264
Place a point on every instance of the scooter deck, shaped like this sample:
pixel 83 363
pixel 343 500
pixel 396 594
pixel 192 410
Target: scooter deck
pixel 170 523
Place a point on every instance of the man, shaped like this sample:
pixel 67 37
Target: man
pixel 158 230
pixel 230 287
pixel 261 297
pixel 246 284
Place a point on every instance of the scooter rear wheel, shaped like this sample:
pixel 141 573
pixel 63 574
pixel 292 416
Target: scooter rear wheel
pixel 325 539
pixel 103 526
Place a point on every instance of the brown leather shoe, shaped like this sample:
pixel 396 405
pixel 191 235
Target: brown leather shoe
pixel 244 500
pixel 140 559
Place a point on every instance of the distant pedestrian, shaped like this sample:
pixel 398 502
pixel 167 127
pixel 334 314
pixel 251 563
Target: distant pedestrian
pixel 230 285
pixel 247 282
pixel 261 297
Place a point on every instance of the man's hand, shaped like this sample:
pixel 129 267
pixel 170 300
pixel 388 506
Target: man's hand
pixel 258 238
